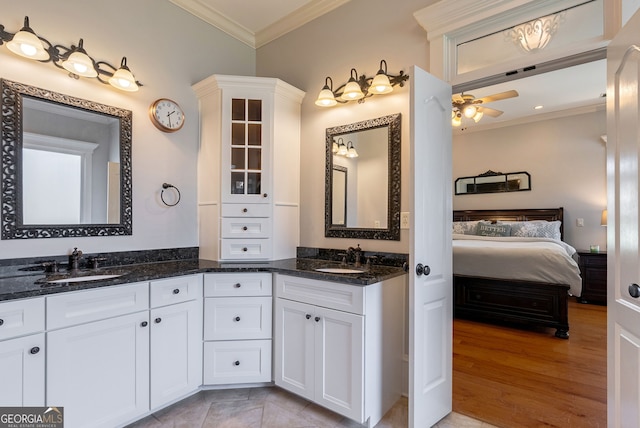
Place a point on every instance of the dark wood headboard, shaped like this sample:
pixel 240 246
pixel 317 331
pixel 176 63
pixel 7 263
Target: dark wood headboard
pixel 548 214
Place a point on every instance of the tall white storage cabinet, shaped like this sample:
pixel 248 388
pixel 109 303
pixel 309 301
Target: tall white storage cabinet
pixel 248 168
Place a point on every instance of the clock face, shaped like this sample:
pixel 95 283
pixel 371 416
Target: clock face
pixel 166 115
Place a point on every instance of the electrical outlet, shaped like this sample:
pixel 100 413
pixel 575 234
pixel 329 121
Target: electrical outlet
pixel 580 222
pixel 404 220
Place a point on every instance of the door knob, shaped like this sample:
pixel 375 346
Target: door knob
pixel 634 290
pixel 422 269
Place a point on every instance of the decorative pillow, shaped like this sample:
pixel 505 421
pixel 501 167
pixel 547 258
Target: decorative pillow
pixel 466 227
pixel 488 229
pixel 535 229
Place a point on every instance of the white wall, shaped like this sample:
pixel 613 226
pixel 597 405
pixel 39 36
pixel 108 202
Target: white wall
pixel 168 50
pixel 357 35
pixel 566 160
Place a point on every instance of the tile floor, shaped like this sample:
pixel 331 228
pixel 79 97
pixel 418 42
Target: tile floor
pixel 272 407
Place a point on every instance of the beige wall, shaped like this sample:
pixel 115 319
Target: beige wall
pixel 566 160
pixel 168 50
pixel 356 35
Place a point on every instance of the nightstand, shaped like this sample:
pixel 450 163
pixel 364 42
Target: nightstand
pixel 593 268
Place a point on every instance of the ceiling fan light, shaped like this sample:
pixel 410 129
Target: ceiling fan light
pixel 478 116
pixel 456 121
pixel 470 111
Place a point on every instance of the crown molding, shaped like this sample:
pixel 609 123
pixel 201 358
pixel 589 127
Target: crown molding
pixel 290 22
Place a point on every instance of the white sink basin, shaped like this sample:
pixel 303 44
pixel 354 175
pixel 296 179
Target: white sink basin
pixel 83 278
pixel 339 270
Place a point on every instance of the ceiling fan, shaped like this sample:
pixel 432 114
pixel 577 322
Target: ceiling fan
pixel 473 108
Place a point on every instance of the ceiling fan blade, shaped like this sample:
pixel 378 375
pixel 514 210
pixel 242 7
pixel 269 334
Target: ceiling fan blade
pixel 457 98
pixel 496 97
pixel 491 111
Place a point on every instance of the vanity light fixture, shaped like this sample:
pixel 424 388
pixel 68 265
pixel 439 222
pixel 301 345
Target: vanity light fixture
pixel 360 87
pixel 351 151
pixel 26 43
pixel 340 149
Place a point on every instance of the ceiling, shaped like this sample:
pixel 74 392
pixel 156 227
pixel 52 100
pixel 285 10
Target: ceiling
pixel 562 92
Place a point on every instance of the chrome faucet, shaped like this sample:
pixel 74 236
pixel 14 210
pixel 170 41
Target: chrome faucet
pixel 357 254
pixel 74 259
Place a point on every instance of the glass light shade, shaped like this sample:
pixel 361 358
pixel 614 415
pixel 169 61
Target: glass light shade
pixel 326 98
pixel 342 151
pixel 351 152
pixel 352 91
pixel 456 121
pixel 79 63
pixel 603 218
pixel 478 116
pixel 123 79
pixel 28 45
pixel 380 85
pixel 334 148
pixel 470 111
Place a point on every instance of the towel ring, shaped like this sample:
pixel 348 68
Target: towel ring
pixel 167 186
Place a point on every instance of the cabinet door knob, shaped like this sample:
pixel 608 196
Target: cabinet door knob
pixel 245 228
pixel 158 320
pixel 144 324
pixel 34 350
pixel 245 249
pixel 265 195
pixel 237 318
pixel 317 319
pixel 236 363
pixel 237 285
pixel 176 291
pixel 244 210
pixel 1 321
pixel 308 316
pixel 634 290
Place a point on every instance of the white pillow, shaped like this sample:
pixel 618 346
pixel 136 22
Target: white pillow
pixel 466 227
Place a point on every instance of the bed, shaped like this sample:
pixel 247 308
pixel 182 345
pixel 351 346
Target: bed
pixel 523 280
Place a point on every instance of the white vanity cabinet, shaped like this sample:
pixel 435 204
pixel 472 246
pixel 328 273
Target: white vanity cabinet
pixel 340 345
pixel 237 328
pixel 98 354
pixel 176 338
pixel 248 168
pixel 22 352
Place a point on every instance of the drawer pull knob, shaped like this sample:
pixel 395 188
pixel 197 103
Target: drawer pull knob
pixel 244 210
pixel 236 363
pixel 34 350
pixel 237 285
pixel 265 195
pixel 1 321
pixel 245 228
pixel 245 249
pixel 176 291
pixel 308 316
pixel 158 320
pixel 317 319
pixel 144 324
pixel 237 318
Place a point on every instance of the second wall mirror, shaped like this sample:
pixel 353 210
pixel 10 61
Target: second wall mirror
pixel 362 181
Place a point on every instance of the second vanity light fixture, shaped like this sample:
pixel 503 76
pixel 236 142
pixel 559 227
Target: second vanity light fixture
pixel 360 87
pixel 26 43
pixel 340 149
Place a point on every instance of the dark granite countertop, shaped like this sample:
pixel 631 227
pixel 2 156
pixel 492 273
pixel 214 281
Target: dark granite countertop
pixel 22 283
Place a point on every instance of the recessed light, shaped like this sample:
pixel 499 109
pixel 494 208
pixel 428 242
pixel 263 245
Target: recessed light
pixel 538 107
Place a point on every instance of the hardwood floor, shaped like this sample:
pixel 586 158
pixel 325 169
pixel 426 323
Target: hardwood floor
pixel 510 377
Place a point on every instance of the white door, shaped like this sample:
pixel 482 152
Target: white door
pixel 430 292
pixel 623 160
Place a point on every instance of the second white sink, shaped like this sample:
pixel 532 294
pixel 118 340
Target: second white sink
pixel 84 278
pixel 339 270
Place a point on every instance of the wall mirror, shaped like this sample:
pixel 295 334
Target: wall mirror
pixel 66 165
pixel 493 182
pixel 362 183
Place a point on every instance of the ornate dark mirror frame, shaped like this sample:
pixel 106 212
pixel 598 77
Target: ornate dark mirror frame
pixel 11 131
pixel 392 232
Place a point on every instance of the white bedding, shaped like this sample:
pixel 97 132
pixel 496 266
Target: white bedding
pixel 530 259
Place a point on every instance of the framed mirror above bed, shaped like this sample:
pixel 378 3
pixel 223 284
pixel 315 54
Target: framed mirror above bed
pixel 493 182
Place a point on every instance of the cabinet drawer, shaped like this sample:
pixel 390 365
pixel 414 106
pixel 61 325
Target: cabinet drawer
pixel 237 362
pixel 20 317
pixel 240 249
pixel 85 306
pixel 343 297
pixel 233 227
pixel 246 210
pixel 237 284
pixel 175 290
pixel 234 318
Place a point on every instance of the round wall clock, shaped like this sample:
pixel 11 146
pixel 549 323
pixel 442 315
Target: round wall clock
pixel 166 115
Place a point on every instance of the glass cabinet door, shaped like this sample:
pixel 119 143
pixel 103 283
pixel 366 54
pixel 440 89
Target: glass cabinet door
pixel 246 147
